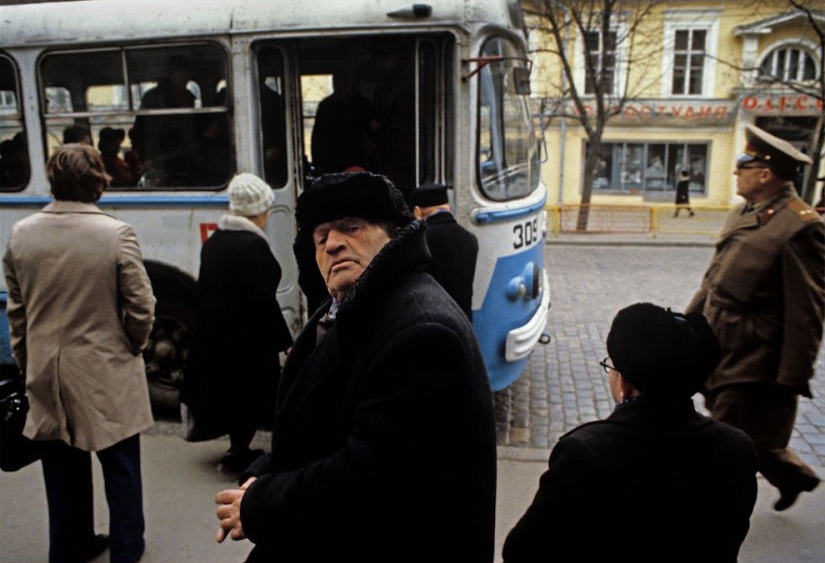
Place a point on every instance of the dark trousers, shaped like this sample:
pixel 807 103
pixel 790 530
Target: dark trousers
pixel 766 413
pixel 68 475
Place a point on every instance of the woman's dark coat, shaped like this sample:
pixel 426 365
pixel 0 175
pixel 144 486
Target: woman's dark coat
pixel 233 367
pixel 384 446
pixel 652 482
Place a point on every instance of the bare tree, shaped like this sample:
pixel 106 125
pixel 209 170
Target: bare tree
pixel 606 31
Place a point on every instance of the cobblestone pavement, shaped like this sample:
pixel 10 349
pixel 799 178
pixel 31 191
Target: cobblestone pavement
pixel 564 385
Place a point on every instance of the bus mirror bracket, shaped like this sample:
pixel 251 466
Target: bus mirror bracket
pixel 521 74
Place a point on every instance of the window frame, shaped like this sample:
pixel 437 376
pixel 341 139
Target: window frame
pixel 788 48
pixel 619 28
pixel 127 116
pixel 690 20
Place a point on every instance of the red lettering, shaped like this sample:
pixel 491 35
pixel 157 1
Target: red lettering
pixel 676 110
pixel 721 112
pixel 769 104
pixel 802 103
pixel 690 114
pixel 705 112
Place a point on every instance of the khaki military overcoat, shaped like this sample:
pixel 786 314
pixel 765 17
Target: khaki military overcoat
pixel 80 310
pixel 764 294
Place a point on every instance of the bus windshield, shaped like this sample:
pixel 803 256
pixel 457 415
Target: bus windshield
pixel 507 149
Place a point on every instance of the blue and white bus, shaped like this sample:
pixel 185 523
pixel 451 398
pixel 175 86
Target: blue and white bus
pixel 186 93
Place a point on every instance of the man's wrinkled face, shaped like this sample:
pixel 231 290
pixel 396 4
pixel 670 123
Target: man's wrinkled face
pixel 343 250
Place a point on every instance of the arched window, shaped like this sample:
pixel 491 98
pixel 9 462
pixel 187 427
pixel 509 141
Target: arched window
pixel 788 64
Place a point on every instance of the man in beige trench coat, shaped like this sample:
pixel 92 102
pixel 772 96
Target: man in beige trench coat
pixel 764 296
pixel 80 310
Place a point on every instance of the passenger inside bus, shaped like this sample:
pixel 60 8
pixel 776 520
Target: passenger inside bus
pixel 340 136
pixel 164 139
pixel 14 161
pixel 108 144
pixel 77 134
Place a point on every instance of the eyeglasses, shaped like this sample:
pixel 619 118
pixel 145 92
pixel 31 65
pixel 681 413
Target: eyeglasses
pixel 607 367
pixel 751 167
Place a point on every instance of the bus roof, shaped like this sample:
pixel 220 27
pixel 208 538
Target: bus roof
pixel 80 22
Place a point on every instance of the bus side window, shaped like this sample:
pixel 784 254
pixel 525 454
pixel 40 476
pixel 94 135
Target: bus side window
pixel 14 152
pixel 273 117
pixel 166 105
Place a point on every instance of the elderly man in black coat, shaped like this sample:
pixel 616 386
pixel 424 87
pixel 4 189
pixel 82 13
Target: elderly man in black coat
pixel 655 481
pixel 383 447
pixel 454 249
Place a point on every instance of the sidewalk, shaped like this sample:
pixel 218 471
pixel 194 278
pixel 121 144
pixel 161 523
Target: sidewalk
pixel 180 481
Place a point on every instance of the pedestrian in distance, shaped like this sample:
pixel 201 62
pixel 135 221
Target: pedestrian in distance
pixel 233 369
pixel 764 296
pixel 683 194
pixel 454 249
pixel 655 481
pixel 80 310
pixel 383 446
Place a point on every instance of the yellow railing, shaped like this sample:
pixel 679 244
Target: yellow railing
pixel 639 219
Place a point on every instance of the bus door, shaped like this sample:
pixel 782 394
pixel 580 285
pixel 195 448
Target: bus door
pixel 356 103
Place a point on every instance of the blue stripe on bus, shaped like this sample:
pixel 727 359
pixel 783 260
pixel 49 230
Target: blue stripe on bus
pixel 497 216
pixel 126 201
pixel 499 315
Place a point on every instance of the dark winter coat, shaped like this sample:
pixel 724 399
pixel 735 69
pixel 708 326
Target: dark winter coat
pixel 383 447
pixel 652 482
pixel 454 253
pixel 233 366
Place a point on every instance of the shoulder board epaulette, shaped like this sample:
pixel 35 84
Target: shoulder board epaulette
pixel 804 211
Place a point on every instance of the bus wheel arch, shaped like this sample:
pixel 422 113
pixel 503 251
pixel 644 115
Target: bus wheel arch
pixel 168 348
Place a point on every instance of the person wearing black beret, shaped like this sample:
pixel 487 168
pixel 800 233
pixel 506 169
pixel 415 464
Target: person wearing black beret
pixel 383 444
pixel 655 481
pixel 454 249
pixel 764 296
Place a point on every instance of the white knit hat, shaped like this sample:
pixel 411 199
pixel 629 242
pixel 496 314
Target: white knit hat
pixel 249 195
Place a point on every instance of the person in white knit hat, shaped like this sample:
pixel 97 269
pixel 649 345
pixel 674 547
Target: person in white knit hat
pixel 233 366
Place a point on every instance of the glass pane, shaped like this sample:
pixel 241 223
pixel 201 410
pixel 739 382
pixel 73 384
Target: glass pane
pixel 681 40
pixel 780 64
pixel 591 41
pixel 14 153
pixel 426 113
pixel 698 40
pixel 273 118
pixel 632 166
pixel 507 148
pixel 808 68
pixel 697 157
pixel 180 148
pixel 678 81
pixel 83 81
pixel 696 75
pixel 655 171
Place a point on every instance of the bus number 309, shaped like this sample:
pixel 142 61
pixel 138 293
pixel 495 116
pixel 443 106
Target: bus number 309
pixel 526 233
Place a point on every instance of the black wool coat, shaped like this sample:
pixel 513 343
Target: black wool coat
pixel 454 253
pixel 653 482
pixel 383 447
pixel 233 365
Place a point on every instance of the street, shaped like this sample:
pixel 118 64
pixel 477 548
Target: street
pixel 564 387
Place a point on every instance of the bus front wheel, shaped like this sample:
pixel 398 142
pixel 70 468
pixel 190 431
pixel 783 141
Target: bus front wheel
pixel 165 355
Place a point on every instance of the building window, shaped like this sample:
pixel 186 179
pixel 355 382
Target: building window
pixel 788 64
pixel 635 168
pixel 691 44
pixel 688 61
pixel 601 56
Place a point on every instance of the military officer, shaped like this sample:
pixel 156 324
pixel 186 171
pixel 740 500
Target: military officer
pixel 764 296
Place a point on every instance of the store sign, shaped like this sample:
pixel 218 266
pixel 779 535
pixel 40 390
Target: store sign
pixel 788 104
pixel 673 113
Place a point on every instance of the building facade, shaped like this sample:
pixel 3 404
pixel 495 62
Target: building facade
pixel 685 78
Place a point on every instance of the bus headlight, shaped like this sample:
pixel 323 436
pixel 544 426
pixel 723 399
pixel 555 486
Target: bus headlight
pixel 527 285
